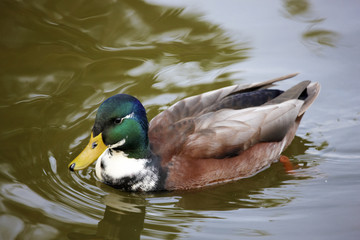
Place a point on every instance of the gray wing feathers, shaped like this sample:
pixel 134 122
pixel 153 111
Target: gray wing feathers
pixel 232 131
pixel 313 91
pixel 195 105
pixel 279 120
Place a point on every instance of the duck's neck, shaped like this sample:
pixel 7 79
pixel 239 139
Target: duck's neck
pixel 142 151
pixel 131 171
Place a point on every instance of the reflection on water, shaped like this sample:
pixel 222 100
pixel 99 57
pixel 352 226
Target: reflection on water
pixel 314 37
pixel 320 36
pixel 296 7
pixel 123 218
pixel 59 61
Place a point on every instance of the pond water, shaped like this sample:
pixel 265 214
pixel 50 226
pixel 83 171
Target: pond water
pixel 61 59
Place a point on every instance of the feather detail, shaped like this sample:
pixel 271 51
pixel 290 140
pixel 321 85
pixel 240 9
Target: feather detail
pixel 173 130
pixel 227 132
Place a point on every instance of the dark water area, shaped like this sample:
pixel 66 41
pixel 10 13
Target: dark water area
pixel 59 60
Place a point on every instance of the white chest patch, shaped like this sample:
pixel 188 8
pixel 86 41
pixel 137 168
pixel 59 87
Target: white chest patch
pixel 116 165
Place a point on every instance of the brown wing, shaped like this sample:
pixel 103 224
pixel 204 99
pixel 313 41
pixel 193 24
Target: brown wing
pixel 186 128
pixel 228 132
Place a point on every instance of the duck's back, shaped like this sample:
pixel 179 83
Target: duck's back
pixel 228 133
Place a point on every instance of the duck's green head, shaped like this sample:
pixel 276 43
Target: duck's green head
pixel 120 124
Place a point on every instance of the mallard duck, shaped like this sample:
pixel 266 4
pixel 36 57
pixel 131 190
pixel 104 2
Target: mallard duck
pixel 215 137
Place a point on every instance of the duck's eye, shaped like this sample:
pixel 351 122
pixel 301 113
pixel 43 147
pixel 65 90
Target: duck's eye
pixel 118 120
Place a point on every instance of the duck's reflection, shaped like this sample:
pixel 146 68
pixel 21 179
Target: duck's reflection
pixel 124 216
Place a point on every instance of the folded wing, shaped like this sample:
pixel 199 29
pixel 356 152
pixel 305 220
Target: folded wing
pixel 212 125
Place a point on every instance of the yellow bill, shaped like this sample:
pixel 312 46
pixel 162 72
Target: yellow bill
pixel 90 154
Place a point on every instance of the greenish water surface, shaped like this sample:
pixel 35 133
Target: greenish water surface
pixel 60 59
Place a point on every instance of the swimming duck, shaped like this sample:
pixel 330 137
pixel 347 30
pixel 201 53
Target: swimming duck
pixel 215 137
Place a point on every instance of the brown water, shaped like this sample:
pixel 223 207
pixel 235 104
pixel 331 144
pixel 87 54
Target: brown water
pixel 61 59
